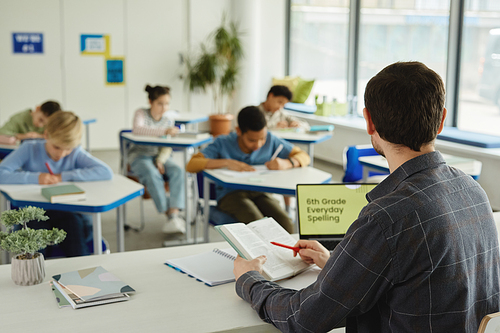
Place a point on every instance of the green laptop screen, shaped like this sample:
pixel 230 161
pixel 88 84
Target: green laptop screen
pixel 329 209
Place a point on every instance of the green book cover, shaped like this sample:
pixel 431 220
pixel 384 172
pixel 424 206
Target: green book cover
pixel 61 190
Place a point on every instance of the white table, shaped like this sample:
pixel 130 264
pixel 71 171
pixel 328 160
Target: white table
pixel 182 119
pixel 102 196
pixel 187 146
pixel 279 182
pixel 379 163
pixel 304 138
pixel 165 301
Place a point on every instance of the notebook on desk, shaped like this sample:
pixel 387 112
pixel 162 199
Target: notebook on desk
pixel 326 211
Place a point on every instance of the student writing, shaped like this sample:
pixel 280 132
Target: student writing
pixel 61 150
pixel 29 124
pixel 273 109
pixel 251 144
pixel 422 255
pixel 152 164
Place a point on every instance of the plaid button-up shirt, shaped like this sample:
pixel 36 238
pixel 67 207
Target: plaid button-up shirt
pixel 422 256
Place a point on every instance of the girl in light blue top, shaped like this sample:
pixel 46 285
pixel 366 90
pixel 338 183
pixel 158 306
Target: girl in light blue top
pixel 68 162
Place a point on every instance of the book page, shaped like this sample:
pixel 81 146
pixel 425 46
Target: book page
pixel 259 170
pixel 268 230
pixel 252 247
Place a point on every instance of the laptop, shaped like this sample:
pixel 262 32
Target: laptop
pixel 326 211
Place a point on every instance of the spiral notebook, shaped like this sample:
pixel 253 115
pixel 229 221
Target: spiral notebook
pixel 212 268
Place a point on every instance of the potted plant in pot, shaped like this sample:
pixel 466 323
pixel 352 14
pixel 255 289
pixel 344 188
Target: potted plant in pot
pixel 216 69
pixel 28 267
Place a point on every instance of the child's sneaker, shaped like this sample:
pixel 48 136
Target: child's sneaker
pixel 174 224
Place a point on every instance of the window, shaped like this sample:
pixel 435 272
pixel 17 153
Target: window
pixel 479 89
pixel 403 30
pixel 318 46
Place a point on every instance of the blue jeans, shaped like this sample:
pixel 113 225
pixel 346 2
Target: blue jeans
pixel 145 168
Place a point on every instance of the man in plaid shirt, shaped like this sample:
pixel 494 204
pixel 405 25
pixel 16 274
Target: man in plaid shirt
pixel 423 254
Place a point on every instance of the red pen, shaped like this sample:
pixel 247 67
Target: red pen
pixel 296 249
pixel 48 168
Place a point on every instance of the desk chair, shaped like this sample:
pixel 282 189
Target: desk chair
pixel 353 170
pixel 215 216
pixel 490 323
pixel 56 252
pixel 130 175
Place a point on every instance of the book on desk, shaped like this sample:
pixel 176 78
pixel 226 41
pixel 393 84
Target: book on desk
pixel 254 239
pixel 89 287
pixel 63 193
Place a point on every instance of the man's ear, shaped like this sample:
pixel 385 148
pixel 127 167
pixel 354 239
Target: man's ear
pixel 370 127
pixel 238 131
pixel 442 120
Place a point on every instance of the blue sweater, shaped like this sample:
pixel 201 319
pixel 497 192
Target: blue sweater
pixel 24 165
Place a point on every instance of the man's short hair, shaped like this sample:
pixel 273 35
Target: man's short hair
pixel 405 101
pixel 65 128
pixel 49 107
pixel 251 118
pixel 280 91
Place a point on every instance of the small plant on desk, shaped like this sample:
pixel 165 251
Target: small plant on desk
pixel 28 266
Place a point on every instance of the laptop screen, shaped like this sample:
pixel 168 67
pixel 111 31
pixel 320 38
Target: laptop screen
pixel 326 210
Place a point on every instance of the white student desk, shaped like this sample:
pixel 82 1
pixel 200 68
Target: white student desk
pixel 165 301
pixel 182 119
pixel 304 138
pixel 279 182
pixel 379 163
pixel 102 196
pixel 187 146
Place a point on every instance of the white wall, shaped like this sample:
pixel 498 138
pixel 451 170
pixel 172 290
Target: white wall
pixel 150 34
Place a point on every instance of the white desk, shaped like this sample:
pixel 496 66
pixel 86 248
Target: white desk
pixel 187 146
pixel 102 196
pixel 304 138
pixel 379 163
pixel 187 118
pixel 279 182
pixel 165 301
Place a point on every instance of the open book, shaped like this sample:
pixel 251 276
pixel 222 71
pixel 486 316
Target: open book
pixel 253 239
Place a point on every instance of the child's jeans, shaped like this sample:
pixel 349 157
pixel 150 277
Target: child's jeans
pixel 145 168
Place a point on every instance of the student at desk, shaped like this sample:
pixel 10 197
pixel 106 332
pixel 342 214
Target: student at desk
pixel 29 124
pixel 276 116
pixel 422 255
pixel 67 161
pixel 251 144
pixel 151 164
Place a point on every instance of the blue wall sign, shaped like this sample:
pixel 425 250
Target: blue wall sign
pixel 27 42
pixel 114 71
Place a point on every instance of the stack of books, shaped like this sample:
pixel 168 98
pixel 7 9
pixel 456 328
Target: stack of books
pixel 88 287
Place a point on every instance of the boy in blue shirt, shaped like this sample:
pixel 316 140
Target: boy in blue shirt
pixel 251 144
pixel 69 162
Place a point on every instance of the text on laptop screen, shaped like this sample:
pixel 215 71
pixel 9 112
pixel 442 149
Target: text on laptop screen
pixel 329 209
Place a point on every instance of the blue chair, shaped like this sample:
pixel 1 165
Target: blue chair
pixel 353 170
pixel 216 216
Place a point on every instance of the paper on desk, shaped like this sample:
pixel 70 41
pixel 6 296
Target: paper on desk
pixel 259 170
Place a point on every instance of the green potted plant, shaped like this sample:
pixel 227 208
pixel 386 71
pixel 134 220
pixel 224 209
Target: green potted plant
pixel 28 267
pixel 215 69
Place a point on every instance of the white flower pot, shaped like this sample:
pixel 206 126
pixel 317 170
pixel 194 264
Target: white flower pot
pixel 28 272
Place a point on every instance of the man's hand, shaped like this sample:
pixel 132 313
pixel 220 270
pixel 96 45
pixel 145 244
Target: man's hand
pixel 172 131
pixel 29 135
pixel 312 252
pixel 160 167
pixel 241 266
pixel 239 166
pixel 279 164
pixel 282 124
pixel 47 179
